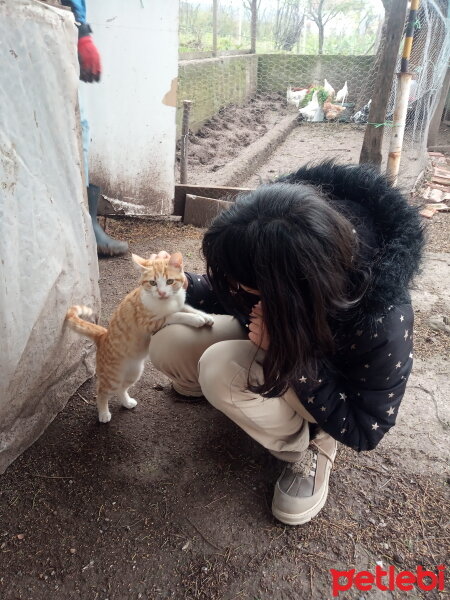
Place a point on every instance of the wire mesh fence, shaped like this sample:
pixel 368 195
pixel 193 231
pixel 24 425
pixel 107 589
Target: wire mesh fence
pixel 428 63
pixel 321 66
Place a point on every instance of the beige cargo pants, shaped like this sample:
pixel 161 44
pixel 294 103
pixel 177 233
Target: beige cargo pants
pixel 218 362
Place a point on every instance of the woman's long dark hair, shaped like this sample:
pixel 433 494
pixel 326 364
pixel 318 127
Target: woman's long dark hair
pixel 288 242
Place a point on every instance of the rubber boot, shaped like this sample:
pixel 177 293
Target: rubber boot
pixel 106 246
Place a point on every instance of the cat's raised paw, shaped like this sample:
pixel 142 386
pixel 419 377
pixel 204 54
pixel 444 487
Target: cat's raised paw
pixel 129 403
pixel 197 320
pixel 104 416
pixel 209 320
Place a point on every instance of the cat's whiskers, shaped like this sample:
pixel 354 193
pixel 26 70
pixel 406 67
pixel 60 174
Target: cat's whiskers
pixel 123 347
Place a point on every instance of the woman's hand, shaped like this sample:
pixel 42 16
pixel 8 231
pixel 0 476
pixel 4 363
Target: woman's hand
pixel 165 255
pixel 258 333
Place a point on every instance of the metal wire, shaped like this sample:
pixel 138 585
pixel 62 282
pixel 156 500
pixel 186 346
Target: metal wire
pixel 215 83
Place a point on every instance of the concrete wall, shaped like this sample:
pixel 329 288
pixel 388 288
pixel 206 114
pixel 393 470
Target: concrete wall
pixel 213 83
pixel 216 82
pixel 132 110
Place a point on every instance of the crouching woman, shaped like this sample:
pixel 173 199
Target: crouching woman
pixel 312 342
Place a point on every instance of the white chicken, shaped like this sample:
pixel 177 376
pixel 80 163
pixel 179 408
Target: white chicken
pixel 296 97
pixel 342 94
pixel 313 112
pixel 329 89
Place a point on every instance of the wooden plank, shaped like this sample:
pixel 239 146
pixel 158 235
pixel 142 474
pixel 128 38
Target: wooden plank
pixel 217 192
pixel 200 211
pixel 184 140
pixel 373 136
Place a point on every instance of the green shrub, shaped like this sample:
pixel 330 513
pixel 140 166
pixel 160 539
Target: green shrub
pixel 321 96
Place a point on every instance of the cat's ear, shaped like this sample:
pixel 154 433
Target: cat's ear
pixel 139 263
pixel 176 260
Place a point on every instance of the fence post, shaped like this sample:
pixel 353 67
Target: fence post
pixel 214 27
pixel 184 140
pixel 401 103
pixel 373 136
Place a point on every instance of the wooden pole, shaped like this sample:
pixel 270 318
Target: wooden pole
pixel 373 137
pixel 402 99
pixel 398 126
pixel 253 26
pixel 437 115
pixel 184 140
pixel 214 26
pixel 409 36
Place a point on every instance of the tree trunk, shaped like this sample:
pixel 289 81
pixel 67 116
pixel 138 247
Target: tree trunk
pixel 366 89
pixel 373 137
pixel 321 38
pixel 437 115
pixel 254 24
pixel 214 27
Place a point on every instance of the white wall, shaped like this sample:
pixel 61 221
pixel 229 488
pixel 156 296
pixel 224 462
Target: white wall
pixel 132 111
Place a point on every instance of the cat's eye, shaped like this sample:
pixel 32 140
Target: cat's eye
pixel 169 281
pixel 152 282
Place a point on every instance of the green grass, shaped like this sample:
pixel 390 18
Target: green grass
pixel 321 96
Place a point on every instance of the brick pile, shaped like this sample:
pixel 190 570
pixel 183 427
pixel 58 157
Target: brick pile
pixel 436 188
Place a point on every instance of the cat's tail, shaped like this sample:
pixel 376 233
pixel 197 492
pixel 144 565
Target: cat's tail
pixel 90 330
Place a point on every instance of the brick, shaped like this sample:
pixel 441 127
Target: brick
pixel 436 207
pixel 426 193
pixel 442 171
pixel 427 212
pixel 437 186
pixel 436 196
pixel 442 179
pixel 441 175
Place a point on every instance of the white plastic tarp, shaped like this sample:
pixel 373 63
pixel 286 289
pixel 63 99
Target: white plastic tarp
pixel 47 249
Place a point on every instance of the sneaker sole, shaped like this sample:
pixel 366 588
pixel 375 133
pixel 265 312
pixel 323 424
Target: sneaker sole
pixel 190 396
pixel 307 515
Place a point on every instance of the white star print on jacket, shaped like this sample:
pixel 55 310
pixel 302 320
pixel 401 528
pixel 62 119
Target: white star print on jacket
pixel 360 385
pixel 369 404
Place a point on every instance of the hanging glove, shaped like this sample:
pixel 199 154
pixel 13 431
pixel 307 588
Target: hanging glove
pixel 88 55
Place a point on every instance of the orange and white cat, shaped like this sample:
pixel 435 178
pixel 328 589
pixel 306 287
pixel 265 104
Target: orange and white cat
pixel 123 347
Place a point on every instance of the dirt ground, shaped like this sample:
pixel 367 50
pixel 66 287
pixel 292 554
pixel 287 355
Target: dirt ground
pixel 314 142
pixel 224 136
pixel 234 128
pixel 171 500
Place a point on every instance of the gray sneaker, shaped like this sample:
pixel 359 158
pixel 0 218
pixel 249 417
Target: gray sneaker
pixel 302 488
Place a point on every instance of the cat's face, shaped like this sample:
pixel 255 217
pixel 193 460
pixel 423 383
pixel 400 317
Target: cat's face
pixel 161 278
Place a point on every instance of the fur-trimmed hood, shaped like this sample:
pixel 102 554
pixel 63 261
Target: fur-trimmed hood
pixel 357 392
pixel 389 228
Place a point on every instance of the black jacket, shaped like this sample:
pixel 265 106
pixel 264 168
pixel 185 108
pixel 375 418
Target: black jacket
pixel 358 391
